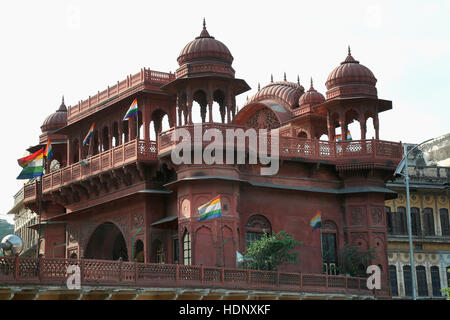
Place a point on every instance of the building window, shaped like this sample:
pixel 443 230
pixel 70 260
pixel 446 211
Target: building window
pixel 176 250
pixel 401 221
pixel 329 248
pixel 416 227
pixel 393 278
pixel 448 276
pixel 407 280
pixel 435 281
pixel 139 251
pixel 444 222
pixel 422 286
pixel 256 227
pixel 429 221
pixel 160 254
pixel 389 220
pixel 187 258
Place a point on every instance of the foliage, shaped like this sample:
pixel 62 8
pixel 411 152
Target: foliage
pixel 446 291
pixel 271 251
pixel 5 228
pixel 355 261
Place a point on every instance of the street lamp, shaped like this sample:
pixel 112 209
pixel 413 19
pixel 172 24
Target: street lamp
pixel 404 164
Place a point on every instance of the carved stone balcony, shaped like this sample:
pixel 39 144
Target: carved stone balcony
pixel 103 273
pixel 127 153
pixel 356 154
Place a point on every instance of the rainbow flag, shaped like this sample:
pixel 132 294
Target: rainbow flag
pixel 48 153
pixel 33 165
pixel 210 210
pixel 133 111
pixel 89 135
pixel 339 136
pixel 316 221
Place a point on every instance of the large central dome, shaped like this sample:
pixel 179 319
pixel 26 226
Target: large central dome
pixel 205 47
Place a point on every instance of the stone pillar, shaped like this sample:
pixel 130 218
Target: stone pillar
pixel 69 152
pixel 210 104
pixel 120 132
pixel 222 113
pixel 376 125
pixel 330 126
pixel 362 124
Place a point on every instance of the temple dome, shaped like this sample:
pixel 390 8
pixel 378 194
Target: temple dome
pixel 311 97
pixel 285 91
pixel 56 120
pixel 358 79
pixel 205 47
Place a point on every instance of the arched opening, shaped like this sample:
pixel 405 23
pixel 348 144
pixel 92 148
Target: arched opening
pixel 139 251
pixel 95 146
pixel 165 123
pixel 353 128
pixel 302 134
pixel 105 139
pixel 370 128
pixel 187 252
pixel 152 131
pixel 107 243
pixel 329 248
pixel 158 252
pixel 115 138
pixel 75 151
pixel 125 137
pixel 199 107
pixel 219 110
pixel 256 227
pixel 324 137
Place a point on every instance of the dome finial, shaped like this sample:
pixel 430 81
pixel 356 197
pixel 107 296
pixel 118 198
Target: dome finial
pixel 204 33
pixel 271 78
pixel 298 79
pixel 63 99
pixel 311 83
pixel 349 51
pixel 285 76
pixel 259 86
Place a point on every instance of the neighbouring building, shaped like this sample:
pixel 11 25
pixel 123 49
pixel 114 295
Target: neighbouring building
pixel 24 218
pixel 122 196
pixel 429 203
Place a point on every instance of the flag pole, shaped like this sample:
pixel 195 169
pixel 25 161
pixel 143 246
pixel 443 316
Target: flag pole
pixel 40 209
pixel 137 124
pixel 223 240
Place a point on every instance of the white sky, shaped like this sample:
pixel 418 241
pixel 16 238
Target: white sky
pixel 75 48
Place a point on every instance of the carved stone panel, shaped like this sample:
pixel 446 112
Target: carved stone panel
pixel 358 216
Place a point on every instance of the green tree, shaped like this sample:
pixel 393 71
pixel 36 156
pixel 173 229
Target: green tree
pixel 355 261
pixel 271 251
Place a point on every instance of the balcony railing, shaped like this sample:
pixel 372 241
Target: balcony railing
pixel 145 76
pixel 372 151
pixel 135 150
pixel 53 272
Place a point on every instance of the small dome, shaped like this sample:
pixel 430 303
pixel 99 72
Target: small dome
pixel 288 92
pixel 56 120
pixel 311 97
pixel 205 47
pixel 351 73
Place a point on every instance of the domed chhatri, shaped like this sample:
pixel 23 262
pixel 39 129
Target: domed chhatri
pixel 205 47
pixel 288 92
pixel 56 120
pixel 311 98
pixel 351 79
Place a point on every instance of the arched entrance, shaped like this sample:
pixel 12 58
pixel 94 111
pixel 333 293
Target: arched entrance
pixel 107 243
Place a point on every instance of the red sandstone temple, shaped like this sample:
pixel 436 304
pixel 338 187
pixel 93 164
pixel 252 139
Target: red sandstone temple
pixel 122 197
